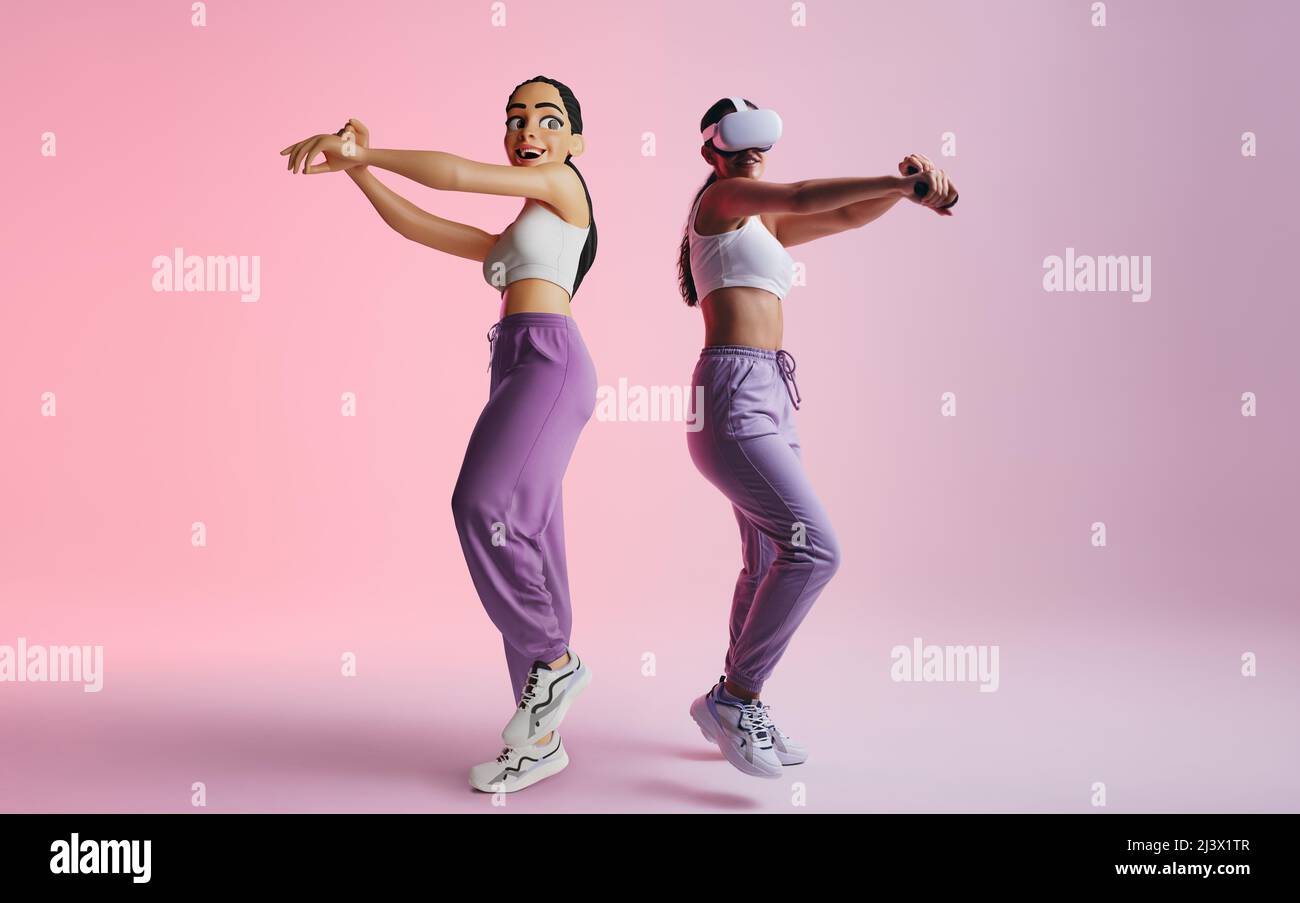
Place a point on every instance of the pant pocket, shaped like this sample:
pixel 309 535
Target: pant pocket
pixel 550 342
pixel 753 410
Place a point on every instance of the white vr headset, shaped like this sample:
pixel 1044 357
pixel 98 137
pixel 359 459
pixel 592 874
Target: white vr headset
pixel 744 128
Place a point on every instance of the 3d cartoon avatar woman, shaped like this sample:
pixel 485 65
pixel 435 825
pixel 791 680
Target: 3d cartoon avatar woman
pixel 734 265
pixel 507 501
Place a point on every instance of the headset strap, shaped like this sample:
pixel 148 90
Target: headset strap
pixel 712 130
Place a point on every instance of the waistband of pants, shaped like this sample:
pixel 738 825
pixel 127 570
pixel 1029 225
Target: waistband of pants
pixel 737 351
pixel 514 321
pixel 522 321
pixel 783 359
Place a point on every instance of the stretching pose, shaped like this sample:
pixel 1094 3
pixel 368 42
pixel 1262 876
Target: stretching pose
pixel 734 265
pixel 507 501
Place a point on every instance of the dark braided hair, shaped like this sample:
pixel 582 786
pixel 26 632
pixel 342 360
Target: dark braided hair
pixel 574 109
pixel 685 281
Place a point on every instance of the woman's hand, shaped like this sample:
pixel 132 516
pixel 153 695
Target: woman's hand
pixel 339 154
pixel 355 132
pixel 360 134
pixel 917 162
pixel 918 169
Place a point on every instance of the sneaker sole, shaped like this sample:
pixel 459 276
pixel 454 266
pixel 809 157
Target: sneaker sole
pixel 708 727
pixel 541 772
pixel 793 760
pixel 552 720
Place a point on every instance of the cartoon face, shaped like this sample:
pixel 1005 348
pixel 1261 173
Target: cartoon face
pixel 748 163
pixel 537 127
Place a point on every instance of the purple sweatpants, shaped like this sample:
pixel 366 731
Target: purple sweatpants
pixel 508 503
pixel 748 448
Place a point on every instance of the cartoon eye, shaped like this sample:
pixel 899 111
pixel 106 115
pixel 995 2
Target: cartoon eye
pixel 552 122
pixel 515 122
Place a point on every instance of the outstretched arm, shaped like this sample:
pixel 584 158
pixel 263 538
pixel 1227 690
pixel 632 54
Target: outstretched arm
pixel 555 183
pixel 797 212
pixel 549 182
pixel 796 228
pixel 803 211
pixel 421 226
pixel 405 218
pixel 735 198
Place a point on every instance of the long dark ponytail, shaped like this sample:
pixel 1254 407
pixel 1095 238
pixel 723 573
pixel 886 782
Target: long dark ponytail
pixel 574 110
pixel 685 281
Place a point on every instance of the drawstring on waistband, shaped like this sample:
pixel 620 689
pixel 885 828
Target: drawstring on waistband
pixel 492 342
pixel 786 362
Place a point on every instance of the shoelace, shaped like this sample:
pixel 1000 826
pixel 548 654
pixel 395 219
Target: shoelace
pixel 767 720
pixel 753 720
pixel 530 690
pixel 505 755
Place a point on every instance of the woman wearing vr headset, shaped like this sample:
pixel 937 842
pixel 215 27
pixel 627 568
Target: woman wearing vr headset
pixel 507 502
pixel 734 266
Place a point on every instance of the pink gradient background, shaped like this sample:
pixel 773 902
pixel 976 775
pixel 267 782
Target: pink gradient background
pixel 329 534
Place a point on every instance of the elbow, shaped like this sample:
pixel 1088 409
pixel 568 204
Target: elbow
pixel 853 220
pixel 446 174
pixel 799 201
pixel 404 228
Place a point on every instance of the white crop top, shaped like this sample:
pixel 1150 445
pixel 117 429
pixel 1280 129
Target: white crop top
pixel 750 255
pixel 538 245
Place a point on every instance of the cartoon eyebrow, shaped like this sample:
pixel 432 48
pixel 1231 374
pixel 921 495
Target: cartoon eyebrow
pixel 524 106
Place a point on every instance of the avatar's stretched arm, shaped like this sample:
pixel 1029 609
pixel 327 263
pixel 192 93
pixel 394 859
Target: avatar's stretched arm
pixel 557 184
pixel 548 182
pixel 419 225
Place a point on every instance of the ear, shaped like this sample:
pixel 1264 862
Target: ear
pixel 576 145
pixel 710 157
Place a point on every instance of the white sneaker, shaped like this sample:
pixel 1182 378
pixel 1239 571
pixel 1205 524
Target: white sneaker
pixel 518 767
pixel 739 730
pixel 788 751
pixel 547 696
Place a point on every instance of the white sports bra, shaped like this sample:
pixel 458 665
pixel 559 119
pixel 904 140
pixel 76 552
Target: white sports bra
pixel 538 245
pixel 750 255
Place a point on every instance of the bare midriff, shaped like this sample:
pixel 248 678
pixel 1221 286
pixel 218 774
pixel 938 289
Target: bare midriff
pixel 535 296
pixel 741 315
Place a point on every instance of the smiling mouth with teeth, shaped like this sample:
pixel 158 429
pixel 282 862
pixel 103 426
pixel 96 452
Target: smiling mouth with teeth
pixel 528 153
